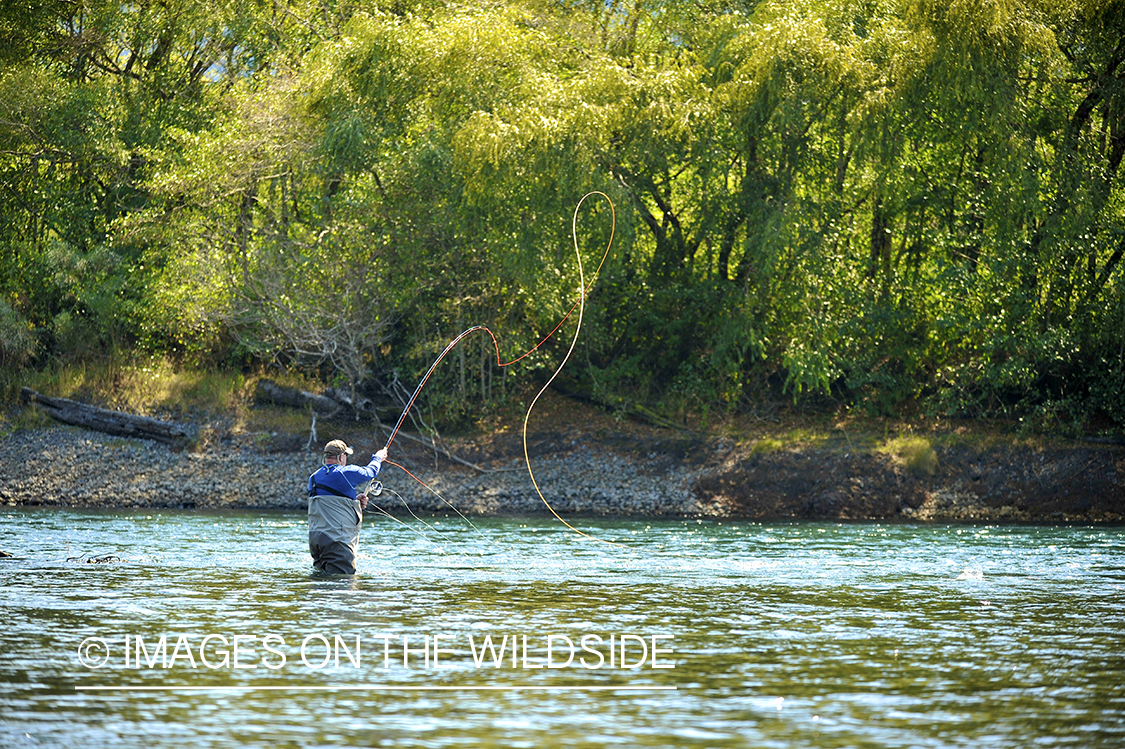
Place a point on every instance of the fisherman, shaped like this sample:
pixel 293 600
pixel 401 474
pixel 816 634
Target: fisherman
pixel 337 499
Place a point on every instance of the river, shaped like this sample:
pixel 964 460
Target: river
pixel 682 633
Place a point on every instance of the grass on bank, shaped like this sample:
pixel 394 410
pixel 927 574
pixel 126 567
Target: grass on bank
pixel 158 388
pixel 224 401
pixel 913 442
pixel 913 452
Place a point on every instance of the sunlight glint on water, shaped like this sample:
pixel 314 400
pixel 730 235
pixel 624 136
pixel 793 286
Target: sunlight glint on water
pixel 785 635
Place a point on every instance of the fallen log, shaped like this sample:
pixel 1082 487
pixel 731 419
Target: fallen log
pixel 269 391
pixel 117 423
pixel 334 403
pixel 1105 440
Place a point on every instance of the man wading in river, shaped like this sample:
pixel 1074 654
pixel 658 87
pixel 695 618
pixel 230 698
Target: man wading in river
pixel 337 499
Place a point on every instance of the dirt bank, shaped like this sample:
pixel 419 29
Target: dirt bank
pixel 998 483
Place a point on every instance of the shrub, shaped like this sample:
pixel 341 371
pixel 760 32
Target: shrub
pixel 916 454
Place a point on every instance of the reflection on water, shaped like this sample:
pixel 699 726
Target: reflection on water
pixel 784 635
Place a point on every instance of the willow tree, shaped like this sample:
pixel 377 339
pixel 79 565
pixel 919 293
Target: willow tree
pixel 707 148
pixel 887 202
pixel 397 98
pixel 323 206
pixel 1000 169
pixel 89 92
pixel 852 195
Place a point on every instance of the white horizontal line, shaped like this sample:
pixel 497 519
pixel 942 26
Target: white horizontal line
pixel 381 688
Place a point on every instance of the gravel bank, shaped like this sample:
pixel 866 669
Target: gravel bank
pixel 63 466
pixel 583 472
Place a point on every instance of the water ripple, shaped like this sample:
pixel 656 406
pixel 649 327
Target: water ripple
pixel 782 635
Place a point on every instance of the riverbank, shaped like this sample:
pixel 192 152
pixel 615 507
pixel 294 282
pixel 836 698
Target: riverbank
pixel 64 466
pixel 588 463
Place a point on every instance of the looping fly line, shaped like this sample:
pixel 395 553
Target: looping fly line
pixel 580 305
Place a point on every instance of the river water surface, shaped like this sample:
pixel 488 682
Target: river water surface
pixel 733 634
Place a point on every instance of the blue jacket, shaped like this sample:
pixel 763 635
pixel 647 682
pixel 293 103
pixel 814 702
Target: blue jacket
pixel 341 481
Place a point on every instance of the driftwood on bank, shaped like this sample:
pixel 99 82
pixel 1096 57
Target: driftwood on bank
pixel 1105 440
pixel 337 402
pixel 117 423
pixel 269 391
pixel 334 403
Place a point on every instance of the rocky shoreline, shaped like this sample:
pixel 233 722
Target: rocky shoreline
pixel 590 472
pixel 70 467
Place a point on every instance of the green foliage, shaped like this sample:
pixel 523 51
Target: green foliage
pixel 914 453
pixel 17 344
pixel 879 202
